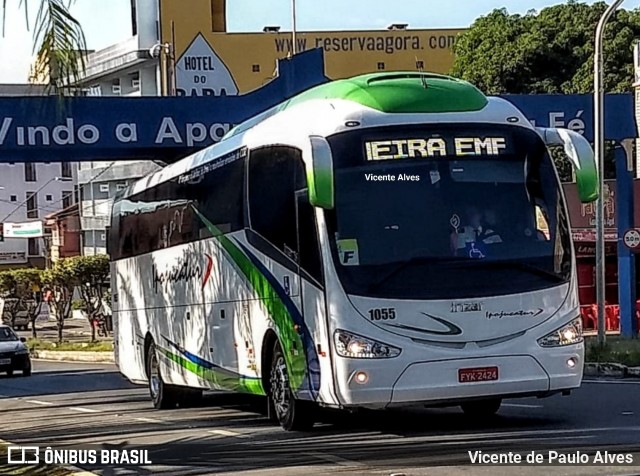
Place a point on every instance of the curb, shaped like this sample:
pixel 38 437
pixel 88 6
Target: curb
pixel 75 471
pixel 611 370
pixel 74 356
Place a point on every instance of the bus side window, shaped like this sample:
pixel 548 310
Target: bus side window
pixel 273 174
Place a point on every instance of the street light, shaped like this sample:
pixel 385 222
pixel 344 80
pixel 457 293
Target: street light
pixel 54 179
pixel 294 23
pixel 598 89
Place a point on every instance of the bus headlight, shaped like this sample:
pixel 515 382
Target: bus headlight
pixel 358 347
pixel 569 334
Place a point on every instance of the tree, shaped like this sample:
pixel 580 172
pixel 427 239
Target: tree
pixel 20 289
pixel 59 41
pixel 91 274
pixel 29 282
pixel 8 291
pixel 546 52
pixel 61 279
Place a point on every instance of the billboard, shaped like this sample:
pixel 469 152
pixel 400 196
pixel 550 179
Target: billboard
pixel 210 63
pixel 30 229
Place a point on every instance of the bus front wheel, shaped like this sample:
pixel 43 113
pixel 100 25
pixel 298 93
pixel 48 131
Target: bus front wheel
pixel 292 414
pixel 482 408
pixel 162 395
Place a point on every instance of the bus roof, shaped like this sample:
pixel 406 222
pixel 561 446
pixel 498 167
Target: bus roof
pixel 374 99
pixel 392 93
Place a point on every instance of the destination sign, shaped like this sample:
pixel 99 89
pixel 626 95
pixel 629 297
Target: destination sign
pixel 435 147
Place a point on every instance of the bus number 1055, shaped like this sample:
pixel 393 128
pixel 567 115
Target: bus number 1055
pixel 382 313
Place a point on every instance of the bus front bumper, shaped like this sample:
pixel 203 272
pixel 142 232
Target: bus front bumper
pixel 440 382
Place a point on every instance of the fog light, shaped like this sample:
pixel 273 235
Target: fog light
pixel 361 377
pixel 571 363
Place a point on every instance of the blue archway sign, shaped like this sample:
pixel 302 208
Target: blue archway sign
pixel 82 129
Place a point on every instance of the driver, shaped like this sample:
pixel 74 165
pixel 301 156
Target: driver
pixel 476 233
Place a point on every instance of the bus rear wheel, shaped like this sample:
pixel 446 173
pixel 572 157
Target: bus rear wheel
pixel 292 414
pixel 163 396
pixel 482 408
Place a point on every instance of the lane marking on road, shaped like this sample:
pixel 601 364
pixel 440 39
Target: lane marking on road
pixel 227 433
pixel 621 382
pixel 38 402
pixel 84 410
pixel 521 405
pixel 152 420
pixel 335 459
pixel 627 413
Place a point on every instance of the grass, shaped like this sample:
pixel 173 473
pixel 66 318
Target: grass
pixel 28 470
pixel 616 350
pixel 100 346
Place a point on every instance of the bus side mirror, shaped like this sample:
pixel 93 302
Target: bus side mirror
pixel 320 175
pixel 581 156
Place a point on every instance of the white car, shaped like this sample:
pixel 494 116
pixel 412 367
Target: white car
pixel 14 354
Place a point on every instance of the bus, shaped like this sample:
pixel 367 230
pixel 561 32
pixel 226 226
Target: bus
pixel 377 242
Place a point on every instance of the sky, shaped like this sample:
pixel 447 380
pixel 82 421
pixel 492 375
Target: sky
pixel 106 22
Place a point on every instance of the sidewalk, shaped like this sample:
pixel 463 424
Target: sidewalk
pixel 74 330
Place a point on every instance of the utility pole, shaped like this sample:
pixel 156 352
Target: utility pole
pixel 598 88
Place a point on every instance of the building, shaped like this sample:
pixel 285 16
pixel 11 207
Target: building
pixel 64 240
pixel 29 192
pixel 209 60
pixel 583 221
pixel 125 69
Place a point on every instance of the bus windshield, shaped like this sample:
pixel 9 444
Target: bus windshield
pixel 447 211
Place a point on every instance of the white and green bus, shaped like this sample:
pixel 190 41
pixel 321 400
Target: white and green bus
pixel 382 241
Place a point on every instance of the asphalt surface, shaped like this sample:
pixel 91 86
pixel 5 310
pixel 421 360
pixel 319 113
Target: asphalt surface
pixel 87 404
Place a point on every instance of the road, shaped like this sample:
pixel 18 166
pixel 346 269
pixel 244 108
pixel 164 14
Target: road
pixel 79 404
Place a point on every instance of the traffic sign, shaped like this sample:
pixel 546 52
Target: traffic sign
pixel 631 239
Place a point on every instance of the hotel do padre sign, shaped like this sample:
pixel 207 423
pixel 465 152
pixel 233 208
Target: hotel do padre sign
pixel 631 239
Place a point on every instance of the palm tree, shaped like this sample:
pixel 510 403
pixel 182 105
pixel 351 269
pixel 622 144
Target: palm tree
pixel 59 42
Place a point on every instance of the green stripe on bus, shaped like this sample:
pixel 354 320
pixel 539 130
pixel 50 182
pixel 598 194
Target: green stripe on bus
pixel 228 382
pixel 282 319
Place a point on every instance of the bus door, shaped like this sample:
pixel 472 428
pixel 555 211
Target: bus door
pixel 311 279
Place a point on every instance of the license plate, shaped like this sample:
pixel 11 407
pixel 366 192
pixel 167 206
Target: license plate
pixel 481 374
pixel 5 361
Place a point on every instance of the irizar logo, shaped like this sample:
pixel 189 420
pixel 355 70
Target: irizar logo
pixel 466 307
pixel 185 270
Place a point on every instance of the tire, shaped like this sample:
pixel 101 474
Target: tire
pixel 482 408
pixel 292 414
pixel 163 396
pixel 26 372
pixel 9 373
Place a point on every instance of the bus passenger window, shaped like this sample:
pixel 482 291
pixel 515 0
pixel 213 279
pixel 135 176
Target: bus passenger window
pixel 273 174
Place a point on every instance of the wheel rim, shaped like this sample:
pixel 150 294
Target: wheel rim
pixel 154 377
pixel 280 392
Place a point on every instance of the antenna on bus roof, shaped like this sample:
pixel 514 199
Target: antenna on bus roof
pixel 423 78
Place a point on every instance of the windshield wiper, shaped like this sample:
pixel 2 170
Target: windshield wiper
pixel 415 260
pixel 518 265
